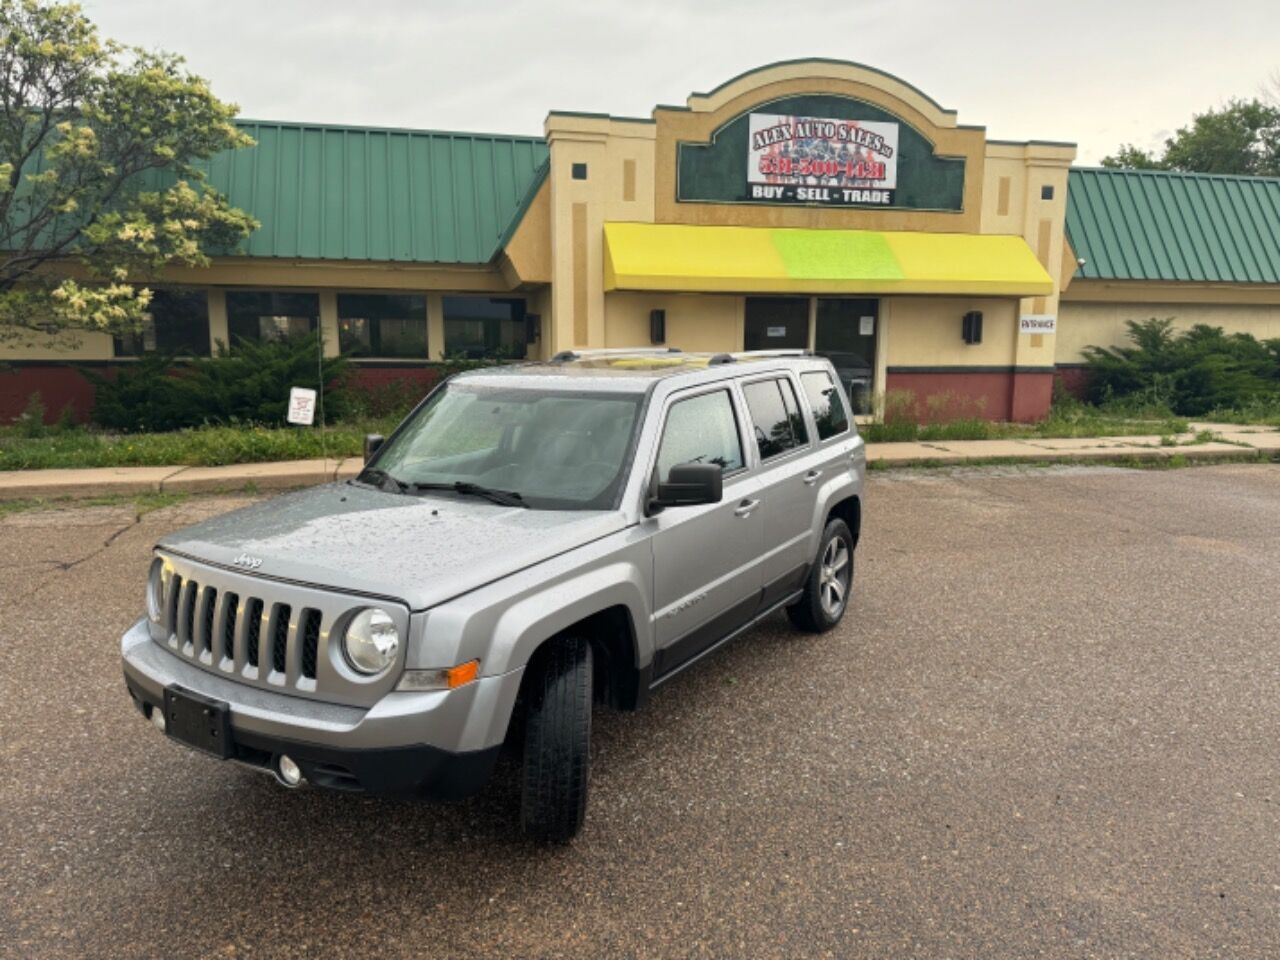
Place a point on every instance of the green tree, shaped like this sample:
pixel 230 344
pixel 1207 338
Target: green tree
pixel 99 180
pixel 1242 137
pixel 1130 157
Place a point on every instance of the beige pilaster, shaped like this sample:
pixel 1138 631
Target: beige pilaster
pixel 218 332
pixel 435 326
pixel 618 157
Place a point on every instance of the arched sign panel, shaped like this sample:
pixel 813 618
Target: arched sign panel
pixel 820 150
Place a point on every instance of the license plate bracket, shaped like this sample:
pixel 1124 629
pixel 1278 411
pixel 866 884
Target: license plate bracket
pixel 198 721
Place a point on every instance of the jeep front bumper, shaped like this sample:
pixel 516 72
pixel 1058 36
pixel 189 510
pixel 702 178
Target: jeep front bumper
pixel 441 743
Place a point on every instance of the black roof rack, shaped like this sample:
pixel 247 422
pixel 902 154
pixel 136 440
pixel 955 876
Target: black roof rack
pixel 721 358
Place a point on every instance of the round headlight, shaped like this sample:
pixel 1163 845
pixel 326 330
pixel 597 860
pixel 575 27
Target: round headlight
pixel 155 591
pixel 371 641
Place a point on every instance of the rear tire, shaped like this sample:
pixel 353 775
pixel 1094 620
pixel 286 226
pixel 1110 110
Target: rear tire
pixel 829 586
pixel 557 743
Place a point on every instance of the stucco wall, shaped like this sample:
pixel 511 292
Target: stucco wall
pixel 694 321
pixel 66 347
pixel 925 331
pixel 1103 324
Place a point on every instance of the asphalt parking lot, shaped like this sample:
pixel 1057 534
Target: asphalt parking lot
pixel 1049 728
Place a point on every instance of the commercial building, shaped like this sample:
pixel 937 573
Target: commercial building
pixel 815 204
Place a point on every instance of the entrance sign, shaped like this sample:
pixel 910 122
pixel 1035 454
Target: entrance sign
pixel 302 406
pixel 797 159
pixel 1037 323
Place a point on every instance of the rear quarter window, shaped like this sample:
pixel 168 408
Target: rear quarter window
pixel 775 416
pixel 828 408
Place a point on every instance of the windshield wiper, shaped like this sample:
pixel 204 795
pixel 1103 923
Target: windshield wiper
pixel 507 498
pixel 382 480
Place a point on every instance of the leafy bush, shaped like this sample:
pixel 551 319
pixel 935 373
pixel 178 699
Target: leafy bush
pixel 249 385
pixel 393 398
pixel 1189 373
pixel 30 423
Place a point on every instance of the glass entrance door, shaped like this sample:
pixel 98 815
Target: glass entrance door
pixel 845 333
pixel 777 323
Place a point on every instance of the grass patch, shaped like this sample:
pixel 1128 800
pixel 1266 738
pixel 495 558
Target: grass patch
pixel 1070 418
pixel 943 417
pixel 198 447
pixel 1257 413
pixel 1083 422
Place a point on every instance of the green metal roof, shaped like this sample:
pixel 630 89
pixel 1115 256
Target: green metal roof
pixel 1157 225
pixel 361 193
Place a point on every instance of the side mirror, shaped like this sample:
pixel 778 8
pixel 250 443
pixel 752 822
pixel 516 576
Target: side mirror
pixel 372 443
pixel 690 484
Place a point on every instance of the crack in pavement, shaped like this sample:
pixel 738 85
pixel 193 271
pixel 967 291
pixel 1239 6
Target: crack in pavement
pixel 64 566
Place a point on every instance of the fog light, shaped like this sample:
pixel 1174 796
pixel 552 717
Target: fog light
pixel 157 718
pixel 289 772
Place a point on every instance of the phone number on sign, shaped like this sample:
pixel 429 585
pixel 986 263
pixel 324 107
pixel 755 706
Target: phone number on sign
pixel 825 169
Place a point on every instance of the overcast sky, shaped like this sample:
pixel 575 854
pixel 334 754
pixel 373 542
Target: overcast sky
pixel 1096 73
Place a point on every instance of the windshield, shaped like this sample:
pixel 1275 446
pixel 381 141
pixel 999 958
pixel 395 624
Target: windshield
pixel 555 450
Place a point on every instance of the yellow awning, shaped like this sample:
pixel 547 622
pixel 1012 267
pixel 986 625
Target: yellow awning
pixel 658 256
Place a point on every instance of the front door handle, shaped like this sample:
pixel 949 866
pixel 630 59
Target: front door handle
pixel 745 507
pixel 811 477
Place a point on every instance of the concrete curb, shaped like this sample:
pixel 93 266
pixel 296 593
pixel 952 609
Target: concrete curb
pixel 1119 455
pixel 125 481
pixel 290 474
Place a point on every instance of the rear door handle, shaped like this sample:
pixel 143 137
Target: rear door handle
pixel 745 507
pixel 811 477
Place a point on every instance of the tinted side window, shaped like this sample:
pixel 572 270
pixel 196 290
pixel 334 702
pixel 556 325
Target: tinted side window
pixel 798 428
pixel 828 408
pixel 701 429
pixel 772 422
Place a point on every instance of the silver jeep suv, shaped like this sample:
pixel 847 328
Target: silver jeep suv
pixel 530 541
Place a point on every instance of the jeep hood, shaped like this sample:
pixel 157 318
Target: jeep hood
pixel 422 550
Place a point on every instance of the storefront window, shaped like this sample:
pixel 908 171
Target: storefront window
pixel 476 327
pixel 259 316
pixel 777 323
pixel 845 334
pixel 382 325
pixel 177 325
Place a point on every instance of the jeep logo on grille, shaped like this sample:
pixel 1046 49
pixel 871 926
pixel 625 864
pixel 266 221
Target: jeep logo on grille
pixel 248 562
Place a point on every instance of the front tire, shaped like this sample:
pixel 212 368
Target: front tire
pixel 557 743
pixel 830 583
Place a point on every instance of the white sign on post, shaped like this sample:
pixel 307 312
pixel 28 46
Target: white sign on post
pixel 302 406
pixel 1037 323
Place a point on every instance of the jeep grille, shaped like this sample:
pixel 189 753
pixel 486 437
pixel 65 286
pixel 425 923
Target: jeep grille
pixel 264 633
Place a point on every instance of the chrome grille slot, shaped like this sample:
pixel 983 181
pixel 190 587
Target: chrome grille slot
pixel 175 591
pixel 254 640
pixel 229 621
pixel 206 626
pixel 187 631
pixel 280 637
pixel 310 631
pixel 265 633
